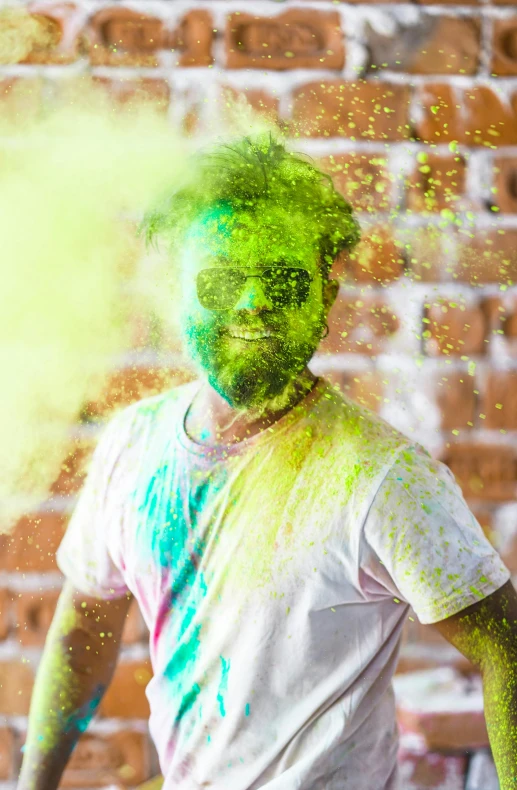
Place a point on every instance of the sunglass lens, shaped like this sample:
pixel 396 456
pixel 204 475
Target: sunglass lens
pixel 287 287
pixel 219 289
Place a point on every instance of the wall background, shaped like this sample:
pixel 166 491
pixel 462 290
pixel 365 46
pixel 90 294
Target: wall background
pixel 414 108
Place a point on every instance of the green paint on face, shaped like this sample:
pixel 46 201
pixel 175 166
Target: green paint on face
pixel 250 372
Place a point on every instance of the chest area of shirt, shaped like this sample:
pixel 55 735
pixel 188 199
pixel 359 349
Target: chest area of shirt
pixel 238 529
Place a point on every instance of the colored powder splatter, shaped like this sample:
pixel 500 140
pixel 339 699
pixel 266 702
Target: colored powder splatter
pixel 223 685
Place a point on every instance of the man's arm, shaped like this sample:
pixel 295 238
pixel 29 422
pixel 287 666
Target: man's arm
pixel 80 655
pixel 486 634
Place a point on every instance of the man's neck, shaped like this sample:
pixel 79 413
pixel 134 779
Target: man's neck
pixel 212 421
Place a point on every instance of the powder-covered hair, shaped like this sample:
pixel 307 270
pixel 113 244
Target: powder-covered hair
pixel 242 175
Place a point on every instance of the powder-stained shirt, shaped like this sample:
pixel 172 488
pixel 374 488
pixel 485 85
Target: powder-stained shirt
pixel 275 576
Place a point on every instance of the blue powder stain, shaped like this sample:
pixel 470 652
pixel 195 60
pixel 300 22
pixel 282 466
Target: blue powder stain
pixel 247 709
pixel 223 684
pixel 188 701
pixel 80 719
pixel 167 529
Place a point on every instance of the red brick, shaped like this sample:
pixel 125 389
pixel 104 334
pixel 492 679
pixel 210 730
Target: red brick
pixel 125 697
pixel 134 629
pixel 7 760
pixel 360 325
pixel 436 183
pixel 505 182
pixel 363 387
pixel 436 45
pixel 504 47
pixel 193 39
pixel 446 730
pixel 73 469
pixel 134 93
pixel 499 402
pixel 16 681
pixel 119 36
pixel 476 116
pixel 356 110
pixel 490 121
pixel 432 770
pixel 21 99
pixel 128 385
pixel 510 325
pixel 418 2
pixel 484 471
pixel 99 761
pixel 426 252
pixel 486 522
pixel 21 31
pixel 454 393
pixel 155 783
pixel 33 613
pixel 58 35
pixel 495 313
pixel 378 258
pixel 439 106
pixel 453 329
pixel 417 634
pixel 190 125
pixel 5 612
pixel 447 2
pixel 33 543
pixel 432 657
pixel 291 40
pixel 489 257
pixel 431 705
pixel 363 178
pixel 260 101
pixel 508 553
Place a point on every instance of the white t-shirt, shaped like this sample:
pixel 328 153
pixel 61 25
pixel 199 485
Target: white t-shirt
pixel 275 577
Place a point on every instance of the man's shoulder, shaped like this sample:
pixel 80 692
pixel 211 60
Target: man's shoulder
pixel 354 447
pixel 355 424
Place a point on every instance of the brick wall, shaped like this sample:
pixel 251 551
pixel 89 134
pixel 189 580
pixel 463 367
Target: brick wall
pixel 414 109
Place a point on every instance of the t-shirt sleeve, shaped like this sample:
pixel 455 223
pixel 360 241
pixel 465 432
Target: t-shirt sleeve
pixel 422 544
pixel 84 555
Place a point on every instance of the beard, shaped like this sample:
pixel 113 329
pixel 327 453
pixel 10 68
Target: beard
pixel 250 375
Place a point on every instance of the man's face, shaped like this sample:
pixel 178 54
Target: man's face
pixel 252 347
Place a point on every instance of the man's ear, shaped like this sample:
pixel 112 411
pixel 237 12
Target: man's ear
pixel 330 292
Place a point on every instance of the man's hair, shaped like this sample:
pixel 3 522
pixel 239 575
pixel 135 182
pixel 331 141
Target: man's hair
pixel 244 174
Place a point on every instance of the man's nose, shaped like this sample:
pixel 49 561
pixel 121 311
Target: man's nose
pixel 253 299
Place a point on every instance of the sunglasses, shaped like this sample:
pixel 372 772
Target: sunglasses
pixel 221 288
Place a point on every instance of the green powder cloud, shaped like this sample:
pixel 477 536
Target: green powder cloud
pixel 73 184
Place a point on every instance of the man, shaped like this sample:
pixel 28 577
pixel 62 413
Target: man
pixel 273 533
